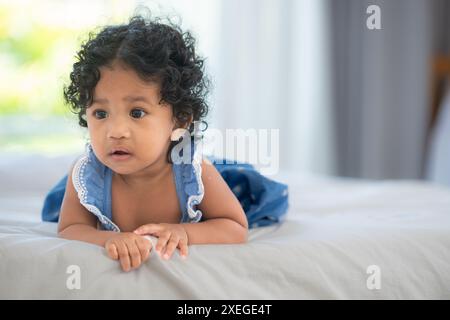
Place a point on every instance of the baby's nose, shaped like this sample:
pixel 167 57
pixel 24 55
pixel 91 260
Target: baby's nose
pixel 118 130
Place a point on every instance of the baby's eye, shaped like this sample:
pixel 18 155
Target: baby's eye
pixel 100 114
pixel 137 113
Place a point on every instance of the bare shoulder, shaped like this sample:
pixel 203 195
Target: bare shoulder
pixel 219 201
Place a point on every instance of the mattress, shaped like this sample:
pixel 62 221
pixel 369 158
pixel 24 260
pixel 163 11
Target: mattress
pixel 342 239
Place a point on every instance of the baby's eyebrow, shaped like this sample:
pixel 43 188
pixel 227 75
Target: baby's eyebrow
pixel 136 99
pixel 100 100
pixel 127 99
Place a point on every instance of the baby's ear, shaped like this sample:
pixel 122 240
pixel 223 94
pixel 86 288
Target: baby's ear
pixel 177 124
pixel 189 122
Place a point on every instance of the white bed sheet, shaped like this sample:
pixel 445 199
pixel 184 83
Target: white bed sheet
pixel 335 230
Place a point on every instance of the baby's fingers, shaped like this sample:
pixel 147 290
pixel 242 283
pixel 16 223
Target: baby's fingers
pixel 111 249
pixel 135 255
pixel 144 247
pixel 183 246
pixel 162 242
pixel 171 246
pixel 124 256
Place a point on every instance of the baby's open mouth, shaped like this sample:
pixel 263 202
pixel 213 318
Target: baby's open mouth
pixel 120 154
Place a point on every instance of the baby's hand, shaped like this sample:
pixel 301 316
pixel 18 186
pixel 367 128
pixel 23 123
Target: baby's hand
pixel 171 236
pixel 130 248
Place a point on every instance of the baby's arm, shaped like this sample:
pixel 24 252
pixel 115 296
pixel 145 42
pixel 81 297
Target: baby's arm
pixel 77 223
pixel 223 215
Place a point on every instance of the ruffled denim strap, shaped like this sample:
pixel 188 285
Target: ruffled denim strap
pixel 188 178
pixel 92 182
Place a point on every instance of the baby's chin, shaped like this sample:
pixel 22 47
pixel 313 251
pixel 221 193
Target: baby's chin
pixel 120 167
pixel 121 171
pixel 126 167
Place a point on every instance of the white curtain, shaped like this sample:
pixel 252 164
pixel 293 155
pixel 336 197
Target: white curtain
pixel 272 73
pixel 268 60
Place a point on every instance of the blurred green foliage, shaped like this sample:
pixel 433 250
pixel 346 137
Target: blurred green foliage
pixel 34 65
pixel 38 44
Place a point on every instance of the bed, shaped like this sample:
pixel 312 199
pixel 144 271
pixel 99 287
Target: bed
pixel 342 239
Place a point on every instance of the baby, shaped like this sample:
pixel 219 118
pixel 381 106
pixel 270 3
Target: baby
pixel 140 90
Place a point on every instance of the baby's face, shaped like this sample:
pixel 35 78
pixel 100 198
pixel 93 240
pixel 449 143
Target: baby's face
pixel 125 114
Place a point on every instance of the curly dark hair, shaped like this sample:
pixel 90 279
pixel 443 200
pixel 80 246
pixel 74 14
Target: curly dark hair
pixel 158 52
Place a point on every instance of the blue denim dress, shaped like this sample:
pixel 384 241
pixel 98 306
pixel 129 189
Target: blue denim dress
pixel 265 202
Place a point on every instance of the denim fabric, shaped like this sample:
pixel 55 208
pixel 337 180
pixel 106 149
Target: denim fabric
pixel 265 201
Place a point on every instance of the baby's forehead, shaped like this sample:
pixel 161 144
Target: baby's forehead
pixel 118 80
pixel 120 71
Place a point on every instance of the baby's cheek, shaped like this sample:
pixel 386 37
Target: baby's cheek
pixel 155 148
